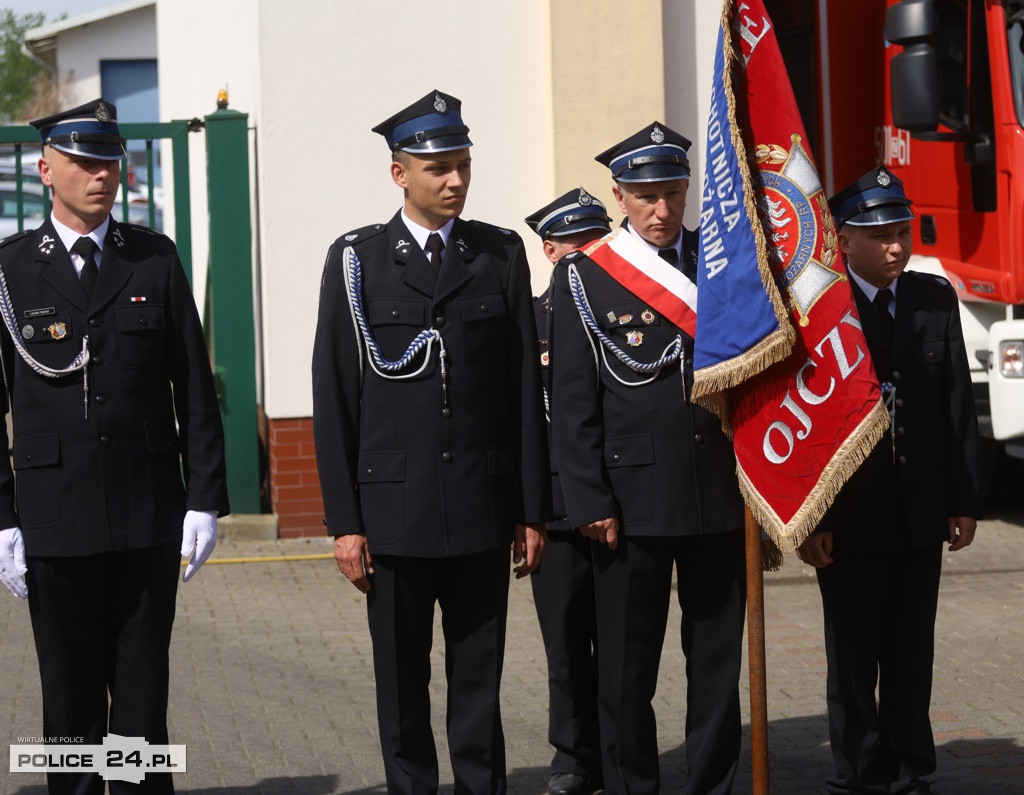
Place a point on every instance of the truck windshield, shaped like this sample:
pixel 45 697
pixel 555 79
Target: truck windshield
pixel 1015 42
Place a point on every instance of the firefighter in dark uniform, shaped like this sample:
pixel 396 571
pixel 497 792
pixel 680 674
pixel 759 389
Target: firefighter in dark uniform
pixel 878 550
pixel 650 477
pixel 118 450
pixel 429 428
pixel 563 587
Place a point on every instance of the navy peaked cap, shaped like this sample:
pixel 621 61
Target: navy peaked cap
pixel 89 130
pixel 431 124
pixel 876 198
pixel 572 212
pixel 655 154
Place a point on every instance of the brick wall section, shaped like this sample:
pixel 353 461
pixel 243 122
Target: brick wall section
pixel 294 484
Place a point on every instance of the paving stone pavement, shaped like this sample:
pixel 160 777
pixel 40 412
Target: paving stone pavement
pixel 272 682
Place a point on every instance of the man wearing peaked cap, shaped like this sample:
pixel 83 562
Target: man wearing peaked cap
pixel 118 452
pixel 878 550
pixel 563 587
pixel 430 441
pixel 648 476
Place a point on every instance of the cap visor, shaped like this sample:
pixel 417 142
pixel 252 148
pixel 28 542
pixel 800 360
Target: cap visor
pixel 445 143
pixel 878 216
pixel 95 151
pixel 656 172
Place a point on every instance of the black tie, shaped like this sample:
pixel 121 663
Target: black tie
pixel 435 246
pixel 882 299
pixel 86 248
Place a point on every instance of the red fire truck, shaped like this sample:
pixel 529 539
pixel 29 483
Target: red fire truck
pixel 935 90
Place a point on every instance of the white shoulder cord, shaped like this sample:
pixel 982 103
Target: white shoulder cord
pixel 80 362
pixel 385 368
pixel 670 354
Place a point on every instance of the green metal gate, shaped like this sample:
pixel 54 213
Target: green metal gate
pixel 229 321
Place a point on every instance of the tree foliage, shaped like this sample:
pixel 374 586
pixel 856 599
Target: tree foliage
pixel 19 74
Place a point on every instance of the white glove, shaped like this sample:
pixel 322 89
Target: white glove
pixel 12 562
pixel 198 534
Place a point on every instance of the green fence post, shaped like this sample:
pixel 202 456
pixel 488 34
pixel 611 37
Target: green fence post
pixel 231 324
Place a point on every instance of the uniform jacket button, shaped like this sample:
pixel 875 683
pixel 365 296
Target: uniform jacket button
pixel 895 375
pixel 369 472
pixel 446 457
pixel 394 313
pixel 439 321
pixel 698 438
pixel 483 308
pixel 615 457
pixel 94 323
pixel 899 402
pixel 105 441
pixel 901 430
pixel 97 360
pixel 903 459
pixel 101 399
pixel 446 413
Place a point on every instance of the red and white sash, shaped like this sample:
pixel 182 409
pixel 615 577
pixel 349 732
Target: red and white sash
pixel 638 268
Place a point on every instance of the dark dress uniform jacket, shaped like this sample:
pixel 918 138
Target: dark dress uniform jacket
pixel 641 453
pixel 420 475
pixel 934 472
pixel 152 446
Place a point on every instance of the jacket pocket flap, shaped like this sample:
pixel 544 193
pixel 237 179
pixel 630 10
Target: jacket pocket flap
pixel 501 462
pixel 399 313
pixel 930 352
pixel 37 451
pixel 383 466
pixel 482 307
pixel 629 451
pixel 144 317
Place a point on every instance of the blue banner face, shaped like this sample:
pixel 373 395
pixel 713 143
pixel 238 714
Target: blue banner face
pixel 734 312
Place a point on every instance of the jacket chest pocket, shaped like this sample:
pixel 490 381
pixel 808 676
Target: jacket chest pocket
pixel 140 334
pixel 394 324
pixel 483 323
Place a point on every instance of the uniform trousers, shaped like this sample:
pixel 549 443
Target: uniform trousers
pixel 633 585
pixel 472 592
pixel 563 591
pixel 102 627
pixel 879 609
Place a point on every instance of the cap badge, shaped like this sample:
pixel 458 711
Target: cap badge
pixel 58 331
pixel 103 112
pixel 883 178
pixel 647 316
pixel 657 135
pixel 635 339
pixel 439 104
pixel 585 199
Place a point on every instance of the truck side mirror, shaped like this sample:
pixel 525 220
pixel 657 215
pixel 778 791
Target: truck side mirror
pixel 914 74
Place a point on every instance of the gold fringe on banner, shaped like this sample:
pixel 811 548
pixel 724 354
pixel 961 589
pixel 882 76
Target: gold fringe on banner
pixel 787 536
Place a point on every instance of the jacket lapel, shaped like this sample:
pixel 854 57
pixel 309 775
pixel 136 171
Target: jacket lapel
pixel 57 268
pixel 114 270
pixel 418 273
pixel 905 328
pixel 454 269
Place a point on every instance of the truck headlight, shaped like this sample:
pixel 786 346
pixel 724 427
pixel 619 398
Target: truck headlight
pixel 1011 358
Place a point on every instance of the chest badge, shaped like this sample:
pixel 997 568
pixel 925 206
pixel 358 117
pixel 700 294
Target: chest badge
pixel 545 359
pixel 28 332
pixel 647 316
pixel 635 339
pixel 58 331
pixel 624 319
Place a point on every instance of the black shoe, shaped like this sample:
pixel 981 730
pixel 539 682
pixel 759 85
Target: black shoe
pixel 568 784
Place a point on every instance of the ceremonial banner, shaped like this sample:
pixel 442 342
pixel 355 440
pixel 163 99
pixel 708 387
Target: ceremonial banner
pixel 779 353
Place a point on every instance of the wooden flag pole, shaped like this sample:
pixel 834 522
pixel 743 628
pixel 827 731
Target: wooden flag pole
pixel 756 658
